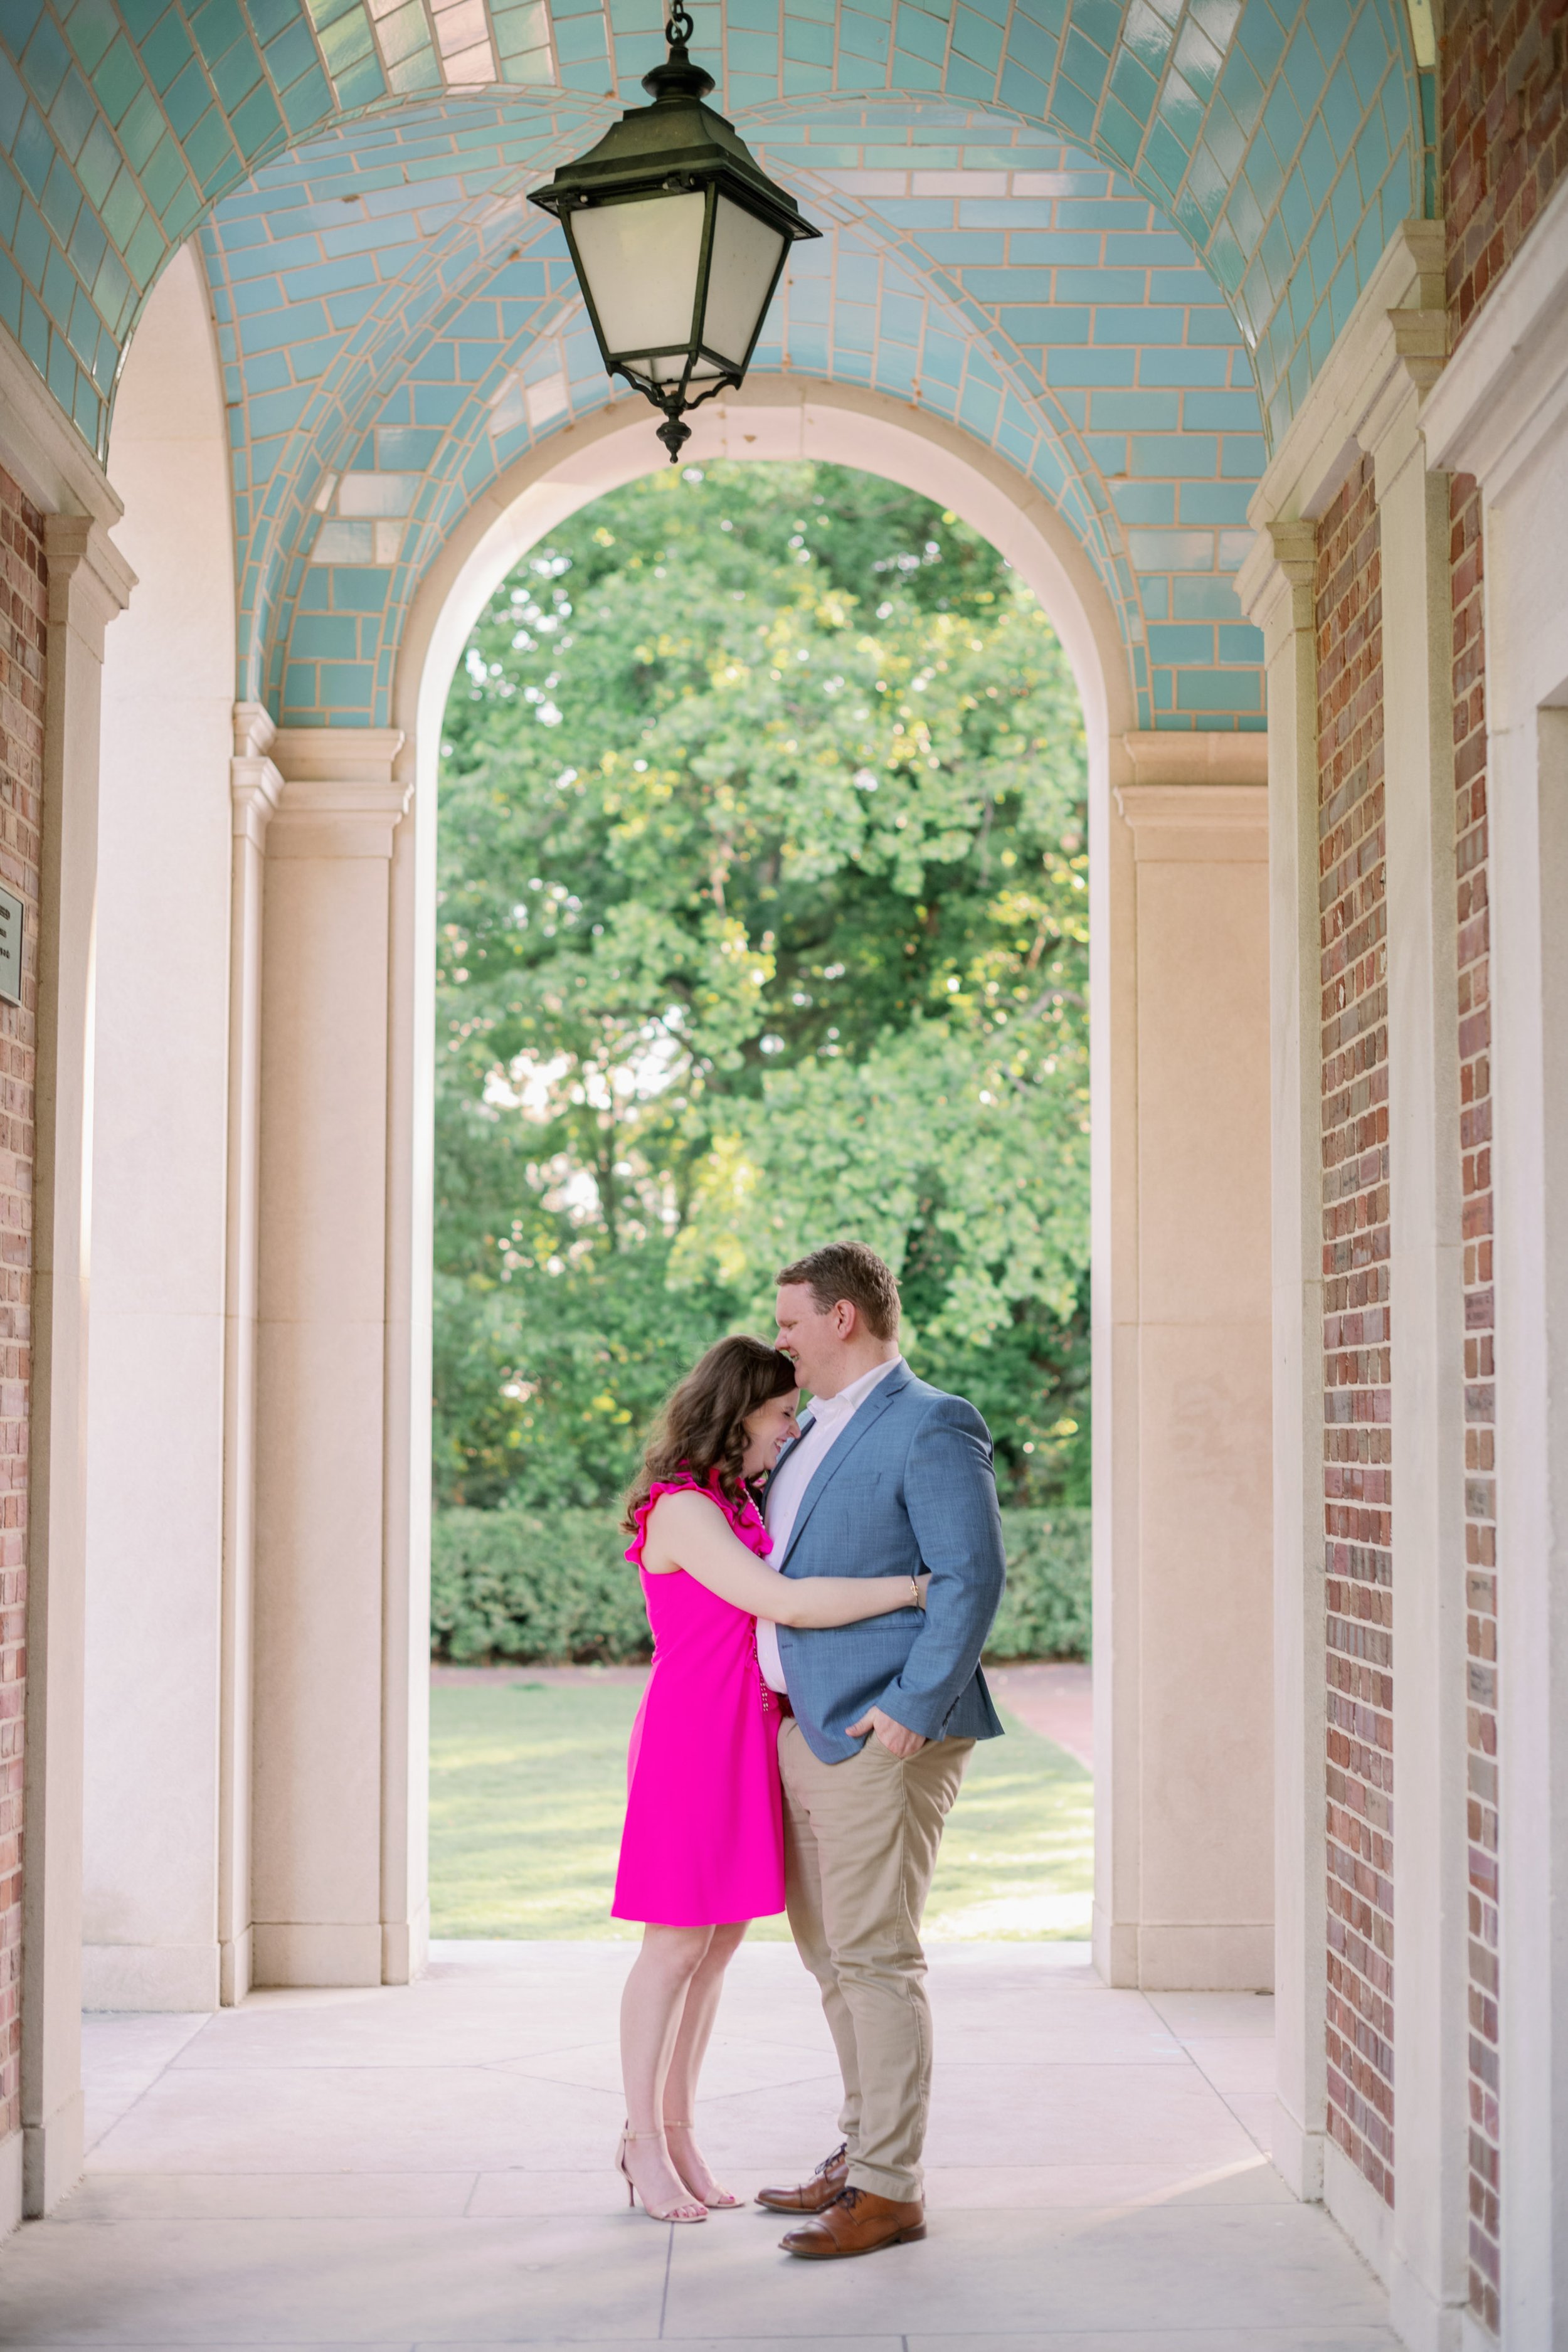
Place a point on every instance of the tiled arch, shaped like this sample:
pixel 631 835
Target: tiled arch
pixel 378 382
pixel 1282 144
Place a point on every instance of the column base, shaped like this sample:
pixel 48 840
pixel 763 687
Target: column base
pixel 10 2184
pixel 405 1947
pixel 1358 2209
pixel 1425 2326
pixel 1296 2155
pixel 292 1954
pixel 51 2159
pixel 1115 1949
pixel 169 1977
pixel 1221 1955
pixel 235 1971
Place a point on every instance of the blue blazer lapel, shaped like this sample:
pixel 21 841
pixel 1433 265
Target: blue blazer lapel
pixel 865 1417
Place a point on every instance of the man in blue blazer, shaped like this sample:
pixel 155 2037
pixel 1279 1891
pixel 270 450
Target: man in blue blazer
pixel 889 1477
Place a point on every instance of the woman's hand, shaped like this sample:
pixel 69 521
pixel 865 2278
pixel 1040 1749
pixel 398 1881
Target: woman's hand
pixel 922 1585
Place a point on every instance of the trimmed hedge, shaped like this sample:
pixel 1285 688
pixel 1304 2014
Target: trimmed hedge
pixel 1045 1609
pixel 554 1586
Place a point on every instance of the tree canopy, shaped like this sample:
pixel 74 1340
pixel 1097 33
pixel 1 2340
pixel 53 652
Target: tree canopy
pixel 763 920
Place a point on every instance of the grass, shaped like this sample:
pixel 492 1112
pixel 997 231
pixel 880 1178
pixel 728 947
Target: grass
pixel 527 1785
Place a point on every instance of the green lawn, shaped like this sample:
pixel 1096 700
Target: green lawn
pixel 526 1791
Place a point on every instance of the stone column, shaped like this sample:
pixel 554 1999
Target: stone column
pixel 410 1255
pixel 160 1122
pixel 322 1360
pixel 1277 591
pixel 254 787
pixel 1113 1160
pixel 1193 1900
pixel 88 583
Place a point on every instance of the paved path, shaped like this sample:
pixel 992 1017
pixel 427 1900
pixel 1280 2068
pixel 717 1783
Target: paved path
pixel 430 2167
pixel 1054 1697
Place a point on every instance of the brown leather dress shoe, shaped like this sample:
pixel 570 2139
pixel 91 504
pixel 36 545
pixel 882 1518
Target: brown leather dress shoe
pixel 856 2222
pixel 812 2195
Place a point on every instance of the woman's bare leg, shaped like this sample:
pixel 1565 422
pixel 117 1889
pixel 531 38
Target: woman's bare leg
pixel 690 2048
pixel 652 2005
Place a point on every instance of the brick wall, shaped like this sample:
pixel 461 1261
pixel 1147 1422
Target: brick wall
pixel 1504 134
pixel 1357 1469
pixel 1474 1008
pixel 22 623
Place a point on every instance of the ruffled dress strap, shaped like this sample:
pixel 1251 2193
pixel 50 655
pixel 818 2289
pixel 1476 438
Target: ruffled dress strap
pixel 744 1519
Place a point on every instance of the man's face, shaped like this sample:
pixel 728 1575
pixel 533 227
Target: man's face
pixel 814 1337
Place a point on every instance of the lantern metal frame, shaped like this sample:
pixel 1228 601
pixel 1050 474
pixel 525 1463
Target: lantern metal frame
pixel 676 147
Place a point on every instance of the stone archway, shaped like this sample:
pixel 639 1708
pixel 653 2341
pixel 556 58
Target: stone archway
pixel 317 1638
pixel 1180 1147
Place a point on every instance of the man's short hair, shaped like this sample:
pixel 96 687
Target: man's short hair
pixel 849 1270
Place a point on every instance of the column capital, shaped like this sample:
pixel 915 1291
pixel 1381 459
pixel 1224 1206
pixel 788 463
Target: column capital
pixel 1276 584
pixel 1412 350
pixel 345 754
pixel 255 784
pixel 1202 825
pixel 339 796
pixel 337 817
pixel 1188 757
pixel 89 580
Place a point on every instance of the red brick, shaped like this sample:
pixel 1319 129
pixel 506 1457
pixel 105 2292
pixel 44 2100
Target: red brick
pixel 1473 1020
pixel 1357 1333
pixel 1504 81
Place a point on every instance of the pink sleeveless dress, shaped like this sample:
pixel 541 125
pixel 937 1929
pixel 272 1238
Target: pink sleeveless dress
pixel 703 1843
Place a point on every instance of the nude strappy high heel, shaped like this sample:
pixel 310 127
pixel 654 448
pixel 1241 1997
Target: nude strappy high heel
pixel 723 2202
pixel 697 2212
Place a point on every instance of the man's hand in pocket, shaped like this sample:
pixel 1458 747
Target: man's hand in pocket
pixel 892 1734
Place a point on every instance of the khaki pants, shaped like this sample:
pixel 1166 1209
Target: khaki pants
pixel 860 1845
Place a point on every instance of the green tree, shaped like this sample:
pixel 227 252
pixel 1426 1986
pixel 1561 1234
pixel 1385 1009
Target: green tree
pixel 763 918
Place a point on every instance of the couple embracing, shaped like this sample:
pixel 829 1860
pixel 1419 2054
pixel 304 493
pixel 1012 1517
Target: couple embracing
pixel 815 1698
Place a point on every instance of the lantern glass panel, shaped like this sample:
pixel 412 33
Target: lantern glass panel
pixel 746 255
pixel 640 262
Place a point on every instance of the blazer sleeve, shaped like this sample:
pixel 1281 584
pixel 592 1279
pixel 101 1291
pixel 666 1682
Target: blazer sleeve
pixel 950 1493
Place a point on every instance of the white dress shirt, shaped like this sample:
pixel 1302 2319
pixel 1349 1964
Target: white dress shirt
pixel 829 1418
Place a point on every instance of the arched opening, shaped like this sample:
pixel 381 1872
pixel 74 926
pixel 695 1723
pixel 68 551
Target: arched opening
pixel 773 419
pixel 846 993
pixel 318 1629
pixel 1179 1149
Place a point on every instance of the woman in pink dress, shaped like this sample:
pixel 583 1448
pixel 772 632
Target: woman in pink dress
pixel 703 1851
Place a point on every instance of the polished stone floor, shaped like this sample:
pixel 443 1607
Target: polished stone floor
pixel 429 2166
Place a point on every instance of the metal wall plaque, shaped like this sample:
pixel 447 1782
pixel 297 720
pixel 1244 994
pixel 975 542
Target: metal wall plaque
pixel 10 949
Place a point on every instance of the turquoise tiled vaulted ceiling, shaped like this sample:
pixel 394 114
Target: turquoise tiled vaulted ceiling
pixel 1113 241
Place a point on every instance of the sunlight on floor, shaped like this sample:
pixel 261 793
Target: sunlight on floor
pixel 527 1786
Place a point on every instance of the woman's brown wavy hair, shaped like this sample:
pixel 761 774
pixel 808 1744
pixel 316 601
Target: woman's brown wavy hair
pixel 702 1427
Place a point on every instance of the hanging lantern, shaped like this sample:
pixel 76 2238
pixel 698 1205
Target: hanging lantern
pixel 678 239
